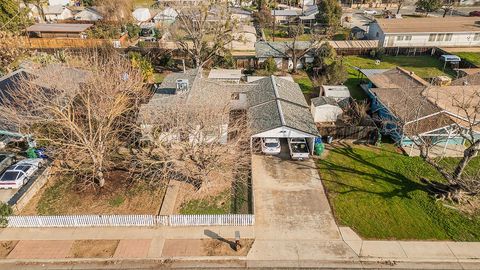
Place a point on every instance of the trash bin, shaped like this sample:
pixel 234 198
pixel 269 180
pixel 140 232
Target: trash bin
pixel 318 147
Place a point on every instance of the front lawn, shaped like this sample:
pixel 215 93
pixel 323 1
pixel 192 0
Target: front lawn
pixel 377 192
pixel 472 57
pixel 119 197
pixel 424 66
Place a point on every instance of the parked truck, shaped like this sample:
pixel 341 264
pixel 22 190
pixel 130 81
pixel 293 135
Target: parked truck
pixel 298 148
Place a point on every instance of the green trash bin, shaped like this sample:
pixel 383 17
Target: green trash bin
pixel 31 153
pixel 318 149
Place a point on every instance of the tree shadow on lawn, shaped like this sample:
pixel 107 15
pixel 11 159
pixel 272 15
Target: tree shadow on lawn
pixel 404 184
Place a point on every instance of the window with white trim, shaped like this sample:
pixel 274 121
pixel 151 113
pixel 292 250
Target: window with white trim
pixel 432 37
pixel 400 38
pixel 476 37
pixel 408 38
pixel 440 37
pixel 448 37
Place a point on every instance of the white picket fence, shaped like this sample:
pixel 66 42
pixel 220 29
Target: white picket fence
pixel 129 221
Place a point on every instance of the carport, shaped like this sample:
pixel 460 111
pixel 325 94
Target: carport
pixel 277 109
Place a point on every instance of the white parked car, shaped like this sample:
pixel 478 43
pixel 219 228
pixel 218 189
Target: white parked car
pixel 271 146
pixel 18 174
pixel 370 12
pixel 298 148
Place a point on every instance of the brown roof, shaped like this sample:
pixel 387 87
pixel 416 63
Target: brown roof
pixel 430 25
pixel 463 101
pixel 397 78
pixel 407 104
pixel 471 79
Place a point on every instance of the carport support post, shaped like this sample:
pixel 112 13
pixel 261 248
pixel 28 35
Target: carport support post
pixel 446 142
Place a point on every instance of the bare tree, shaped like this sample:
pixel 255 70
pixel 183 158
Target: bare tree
pixel 11 50
pixel 296 49
pixel 80 110
pixel 203 31
pixel 458 117
pixel 115 10
pixel 194 144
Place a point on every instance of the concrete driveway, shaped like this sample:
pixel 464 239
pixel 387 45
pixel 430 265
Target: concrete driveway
pixel 293 219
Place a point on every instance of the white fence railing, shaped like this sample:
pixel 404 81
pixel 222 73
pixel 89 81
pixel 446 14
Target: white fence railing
pixel 129 221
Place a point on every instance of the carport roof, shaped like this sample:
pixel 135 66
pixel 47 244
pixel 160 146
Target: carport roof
pixel 278 103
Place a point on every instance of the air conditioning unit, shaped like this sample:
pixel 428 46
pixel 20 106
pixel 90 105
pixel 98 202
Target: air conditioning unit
pixel 182 85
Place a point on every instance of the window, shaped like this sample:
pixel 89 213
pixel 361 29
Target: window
pixel 408 38
pixel 399 38
pixel 448 37
pixel 432 37
pixel 440 37
pixel 476 37
pixel 377 34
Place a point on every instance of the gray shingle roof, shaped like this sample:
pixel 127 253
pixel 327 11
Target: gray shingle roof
pixel 277 102
pixel 284 89
pixel 322 100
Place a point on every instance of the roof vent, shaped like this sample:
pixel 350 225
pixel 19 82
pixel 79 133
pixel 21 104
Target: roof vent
pixel 182 85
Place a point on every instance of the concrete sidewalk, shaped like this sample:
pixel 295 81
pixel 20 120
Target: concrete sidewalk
pixel 123 233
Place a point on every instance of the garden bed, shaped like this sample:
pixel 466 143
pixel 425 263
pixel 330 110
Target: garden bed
pixel 94 248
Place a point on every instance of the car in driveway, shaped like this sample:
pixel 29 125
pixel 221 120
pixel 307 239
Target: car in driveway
pixel 271 146
pixel 298 148
pixel 370 12
pixel 20 173
pixel 475 13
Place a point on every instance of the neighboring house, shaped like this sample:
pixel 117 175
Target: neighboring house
pixel 413 111
pixel 88 14
pixel 245 38
pixel 142 15
pixel 167 16
pixel 283 16
pixel 325 109
pixel 307 16
pixel 241 14
pixel 57 12
pixel 58 30
pixel 336 92
pixel 426 32
pixel 280 51
pixel 59 2
pixel 276 108
pixel 226 75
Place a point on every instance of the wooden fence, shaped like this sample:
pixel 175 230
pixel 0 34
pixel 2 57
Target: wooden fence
pixel 347 132
pixel 129 221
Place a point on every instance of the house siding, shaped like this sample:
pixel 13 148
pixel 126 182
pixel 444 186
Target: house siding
pixel 422 39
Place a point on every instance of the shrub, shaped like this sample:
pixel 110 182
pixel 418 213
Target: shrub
pixel 270 65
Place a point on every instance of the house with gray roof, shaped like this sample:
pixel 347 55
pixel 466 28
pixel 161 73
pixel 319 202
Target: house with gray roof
pixel 275 107
pixel 280 51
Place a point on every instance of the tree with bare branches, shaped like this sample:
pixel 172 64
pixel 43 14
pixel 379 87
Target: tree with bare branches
pixel 79 110
pixel 456 116
pixel 296 49
pixel 115 10
pixel 203 31
pixel 11 50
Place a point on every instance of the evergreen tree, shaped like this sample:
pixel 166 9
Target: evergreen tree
pixel 429 5
pixel 329 14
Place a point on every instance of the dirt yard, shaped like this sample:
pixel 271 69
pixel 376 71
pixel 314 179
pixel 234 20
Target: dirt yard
pixel 215 247
pixel 93 248
pixel 61 197
pixel 6 247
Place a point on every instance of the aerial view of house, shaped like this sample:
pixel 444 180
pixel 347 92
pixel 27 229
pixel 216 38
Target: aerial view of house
pixel 185 134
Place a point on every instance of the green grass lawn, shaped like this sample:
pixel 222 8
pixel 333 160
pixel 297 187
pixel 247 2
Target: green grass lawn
pixel 377 193
pixel 303 81
pixel 471 57
pixel 214 205
pixel 281 34
pixel 423 65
